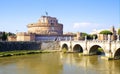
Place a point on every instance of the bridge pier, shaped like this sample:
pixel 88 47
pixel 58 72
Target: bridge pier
pixel 108 56
pixel 85 52
pixel 69 49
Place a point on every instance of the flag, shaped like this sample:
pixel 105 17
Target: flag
pixel 46 13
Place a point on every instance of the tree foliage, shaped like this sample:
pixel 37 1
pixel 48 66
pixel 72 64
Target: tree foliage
pixel 83 35
pixel 4 36
pixel 106 32
pixel 94 35
pixel 89 37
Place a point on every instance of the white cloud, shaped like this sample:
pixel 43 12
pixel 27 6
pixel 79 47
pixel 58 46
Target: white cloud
pixel 84 25
pixel 81 25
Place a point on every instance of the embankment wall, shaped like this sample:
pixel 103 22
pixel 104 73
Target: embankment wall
pixel 12 46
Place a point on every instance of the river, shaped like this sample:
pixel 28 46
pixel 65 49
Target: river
pixel 58 63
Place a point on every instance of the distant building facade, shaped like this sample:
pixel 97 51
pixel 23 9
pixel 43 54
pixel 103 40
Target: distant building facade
pixel 105 37
pixel 24 36
pixel 11 38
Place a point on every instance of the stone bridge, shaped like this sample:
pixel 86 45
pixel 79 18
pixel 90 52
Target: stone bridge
pixel 111 49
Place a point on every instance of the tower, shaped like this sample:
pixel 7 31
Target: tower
pixel 113 33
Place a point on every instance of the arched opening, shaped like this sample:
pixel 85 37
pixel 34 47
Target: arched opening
pixel 77 48
pixel 117 54
pixel 65 47
pixel 96 50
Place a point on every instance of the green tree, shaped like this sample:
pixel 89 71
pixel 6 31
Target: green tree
pixel 10 34
pixel 89 37
pixel 83 35
pixel 94 35
pixel 4 36
pixel 106 32
pixel 119 31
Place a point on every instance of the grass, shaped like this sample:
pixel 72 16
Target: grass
pixel 23 52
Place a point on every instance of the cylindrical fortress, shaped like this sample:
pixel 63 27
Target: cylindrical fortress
pixel 46 26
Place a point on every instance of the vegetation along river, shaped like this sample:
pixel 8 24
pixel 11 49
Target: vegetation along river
pixel 58 63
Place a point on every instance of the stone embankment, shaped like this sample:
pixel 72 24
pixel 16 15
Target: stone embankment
pixel 12 46
pixel 50 45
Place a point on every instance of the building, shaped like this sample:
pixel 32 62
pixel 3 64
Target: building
pixel 11 38
pixel 46 26
pixel 46 29
pixel 24 36
pixel 105 37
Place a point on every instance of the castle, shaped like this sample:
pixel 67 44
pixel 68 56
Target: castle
pixel 47 28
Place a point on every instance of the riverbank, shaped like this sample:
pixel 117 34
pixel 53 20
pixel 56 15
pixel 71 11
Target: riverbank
pixel 28 52
pixel 24 52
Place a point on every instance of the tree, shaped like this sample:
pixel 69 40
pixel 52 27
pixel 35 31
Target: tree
pixel 83 36
pixel 95 36
pixel 106 32
pixel 119 31
pixel 4 36
pixel 10 34
pixel 89 37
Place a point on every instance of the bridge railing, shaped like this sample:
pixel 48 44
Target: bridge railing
pixel 98 41
pixel 79 41
pixel 92 41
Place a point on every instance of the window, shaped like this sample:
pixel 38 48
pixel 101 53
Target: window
pixel 52 24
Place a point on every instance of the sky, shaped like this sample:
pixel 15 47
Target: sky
pixel 75 15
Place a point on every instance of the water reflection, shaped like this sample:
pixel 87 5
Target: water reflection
pixel 89 65
pixel 58 63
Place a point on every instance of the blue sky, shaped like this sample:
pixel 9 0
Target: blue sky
pixel 76 15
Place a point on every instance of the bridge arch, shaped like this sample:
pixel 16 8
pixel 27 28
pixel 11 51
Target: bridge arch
pixel 96 50
pixel 117 54
pixel 65 46
pixel 77 48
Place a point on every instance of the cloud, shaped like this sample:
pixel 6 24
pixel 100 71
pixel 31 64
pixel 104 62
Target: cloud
pixel 84 25
pixel 81 25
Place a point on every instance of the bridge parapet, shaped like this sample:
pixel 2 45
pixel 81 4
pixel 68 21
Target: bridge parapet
pixel 79 41
pixel 97 41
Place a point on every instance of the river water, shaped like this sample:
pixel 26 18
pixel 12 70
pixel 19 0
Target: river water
pixel 58 63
